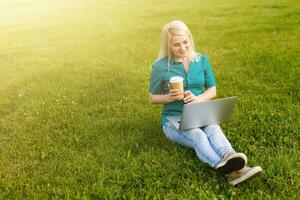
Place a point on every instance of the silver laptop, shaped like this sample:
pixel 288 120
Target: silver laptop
pixel 204 113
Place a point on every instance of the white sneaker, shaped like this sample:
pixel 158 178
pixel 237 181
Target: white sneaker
pixel 244 174
pixel 231 161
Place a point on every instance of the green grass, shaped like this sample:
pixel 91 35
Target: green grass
pixel 75 122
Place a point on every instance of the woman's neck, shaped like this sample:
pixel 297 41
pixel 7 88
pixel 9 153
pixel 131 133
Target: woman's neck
pixel 182 59
pixel 186 63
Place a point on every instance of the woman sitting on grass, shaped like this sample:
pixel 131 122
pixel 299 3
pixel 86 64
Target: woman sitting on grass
pixel 177 57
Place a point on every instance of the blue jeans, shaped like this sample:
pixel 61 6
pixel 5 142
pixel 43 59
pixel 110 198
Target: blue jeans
pixel 209 142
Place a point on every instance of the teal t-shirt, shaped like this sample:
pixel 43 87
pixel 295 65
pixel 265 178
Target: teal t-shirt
pixel 198 77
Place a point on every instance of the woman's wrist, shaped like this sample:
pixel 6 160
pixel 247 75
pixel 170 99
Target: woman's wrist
pixel 169 99
pixel 200 98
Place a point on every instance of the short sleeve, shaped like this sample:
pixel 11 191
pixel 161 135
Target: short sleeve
pixel 155 86
pixel 209 76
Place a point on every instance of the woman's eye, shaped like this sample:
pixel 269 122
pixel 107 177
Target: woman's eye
pixel 185 42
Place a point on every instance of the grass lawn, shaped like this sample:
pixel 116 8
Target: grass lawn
pixel 75 121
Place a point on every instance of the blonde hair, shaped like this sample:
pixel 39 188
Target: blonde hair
pixel 174 28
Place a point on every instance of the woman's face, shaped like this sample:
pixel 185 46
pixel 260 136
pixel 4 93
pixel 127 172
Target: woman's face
pixel 180 46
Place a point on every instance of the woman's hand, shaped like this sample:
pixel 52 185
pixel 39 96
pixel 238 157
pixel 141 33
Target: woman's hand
pixel 174 94
pixel 189 97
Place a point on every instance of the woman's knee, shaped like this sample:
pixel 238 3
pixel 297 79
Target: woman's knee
pixel 196 134
pixel 212 130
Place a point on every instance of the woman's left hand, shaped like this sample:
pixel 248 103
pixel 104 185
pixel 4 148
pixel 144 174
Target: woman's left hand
pixel 189 97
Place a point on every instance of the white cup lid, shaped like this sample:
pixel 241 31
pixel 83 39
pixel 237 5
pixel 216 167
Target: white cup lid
pixel 176 79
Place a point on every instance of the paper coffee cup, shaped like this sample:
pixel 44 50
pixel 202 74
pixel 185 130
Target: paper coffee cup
pixel 176 82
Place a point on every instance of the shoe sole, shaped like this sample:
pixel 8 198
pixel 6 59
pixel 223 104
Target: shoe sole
pixel 232 164
pixel 249 176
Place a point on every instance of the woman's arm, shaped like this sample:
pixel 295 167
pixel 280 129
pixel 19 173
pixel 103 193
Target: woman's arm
pixel 208 94
pixel 159 98
pixel 164 98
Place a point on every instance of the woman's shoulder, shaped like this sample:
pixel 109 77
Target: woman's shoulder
pixel 160 63
pixel 199 57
